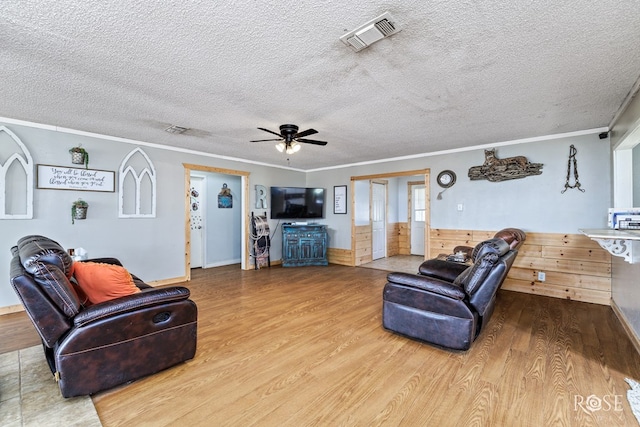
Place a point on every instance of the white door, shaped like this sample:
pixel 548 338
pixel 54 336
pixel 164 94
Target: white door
pixel 418 216
pixel 378 221
pixel 196 196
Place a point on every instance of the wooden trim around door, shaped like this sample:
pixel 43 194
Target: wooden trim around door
pixel 188 168
pixel 427 227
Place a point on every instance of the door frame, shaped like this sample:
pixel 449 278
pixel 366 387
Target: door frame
pixel 188 168
pixel 427 226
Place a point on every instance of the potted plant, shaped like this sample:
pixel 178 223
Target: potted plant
pixel 79 156
pixel 79 210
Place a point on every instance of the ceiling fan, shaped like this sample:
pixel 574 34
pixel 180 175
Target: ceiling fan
pixel 290 138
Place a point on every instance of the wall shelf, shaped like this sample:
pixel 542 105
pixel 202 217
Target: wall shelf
pixel 620 243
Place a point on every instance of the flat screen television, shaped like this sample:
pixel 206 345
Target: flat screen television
pixel 297 203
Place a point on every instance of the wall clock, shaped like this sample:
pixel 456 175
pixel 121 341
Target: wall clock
pixel 446 178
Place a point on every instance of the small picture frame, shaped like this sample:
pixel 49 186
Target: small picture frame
pixel 340 199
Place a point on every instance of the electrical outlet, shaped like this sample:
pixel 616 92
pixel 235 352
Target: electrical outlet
pixel 541 276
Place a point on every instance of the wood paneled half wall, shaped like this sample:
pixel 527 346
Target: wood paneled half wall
pixel 575 267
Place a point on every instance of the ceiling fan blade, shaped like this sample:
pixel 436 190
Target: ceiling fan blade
pixel 311 141
pixel 270 131
pixel 262 140
pixel 304 133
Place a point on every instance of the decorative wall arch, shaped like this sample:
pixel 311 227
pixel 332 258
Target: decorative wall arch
pixel 16 181
pixel 137 186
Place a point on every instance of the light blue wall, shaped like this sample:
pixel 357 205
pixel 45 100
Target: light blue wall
pixel 362 195
pixel 534 203
pixel 151 248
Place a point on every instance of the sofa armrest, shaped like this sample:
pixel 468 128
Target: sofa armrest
pixel 440 269
pixel 429 284
pixel 146 298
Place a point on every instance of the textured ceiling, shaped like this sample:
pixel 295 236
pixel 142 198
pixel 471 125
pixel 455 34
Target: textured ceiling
pixel 460 73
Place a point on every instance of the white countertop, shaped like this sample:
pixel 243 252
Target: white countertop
pixel 607 233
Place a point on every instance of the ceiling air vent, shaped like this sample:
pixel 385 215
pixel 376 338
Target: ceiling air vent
pixel 176 129
pixel 374 30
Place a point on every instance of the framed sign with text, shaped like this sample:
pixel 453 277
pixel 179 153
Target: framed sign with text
pixel 67 178
pixel 340 199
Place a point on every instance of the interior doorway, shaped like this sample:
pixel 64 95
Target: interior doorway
pixel 397 232
pixel 242 202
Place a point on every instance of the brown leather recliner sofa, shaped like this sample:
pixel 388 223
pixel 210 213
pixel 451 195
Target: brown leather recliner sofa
pixel 445 311
pixel 107 344
pixel 449 270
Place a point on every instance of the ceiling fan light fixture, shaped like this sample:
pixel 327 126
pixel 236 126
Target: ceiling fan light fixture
pixel 290 140
pixel 293 147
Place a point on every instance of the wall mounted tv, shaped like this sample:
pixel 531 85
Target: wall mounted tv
pixel 297 202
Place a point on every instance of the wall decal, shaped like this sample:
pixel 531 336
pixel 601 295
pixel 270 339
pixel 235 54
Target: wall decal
pixel 496 170
pixel 16 178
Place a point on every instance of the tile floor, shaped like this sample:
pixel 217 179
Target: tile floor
pixel 401 263
pixel 29 396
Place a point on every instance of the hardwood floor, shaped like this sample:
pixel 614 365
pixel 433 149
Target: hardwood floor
pixel 305 346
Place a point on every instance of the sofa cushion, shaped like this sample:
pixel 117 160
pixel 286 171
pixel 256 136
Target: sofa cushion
pixel 103 282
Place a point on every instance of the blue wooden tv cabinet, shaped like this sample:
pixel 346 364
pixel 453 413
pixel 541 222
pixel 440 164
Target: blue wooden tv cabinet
pixel 304 245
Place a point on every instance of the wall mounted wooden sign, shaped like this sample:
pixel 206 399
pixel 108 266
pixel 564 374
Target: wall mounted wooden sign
pixel 496 170
pixel 65 178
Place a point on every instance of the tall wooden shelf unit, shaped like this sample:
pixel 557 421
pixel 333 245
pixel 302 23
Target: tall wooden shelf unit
pixel 304 245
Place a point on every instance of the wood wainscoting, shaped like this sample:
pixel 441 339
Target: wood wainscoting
pixel 576 267
pixel 404 239
pixel 393 239
pixel 363 245
pixel 339 256
pixel 396 240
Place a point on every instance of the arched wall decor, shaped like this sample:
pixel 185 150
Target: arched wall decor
pixel 137 186
pixel 16 182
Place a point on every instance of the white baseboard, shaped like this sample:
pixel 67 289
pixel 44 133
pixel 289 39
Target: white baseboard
pixel 221 263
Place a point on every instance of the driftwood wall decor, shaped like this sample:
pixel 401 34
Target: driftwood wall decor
pixel 496 170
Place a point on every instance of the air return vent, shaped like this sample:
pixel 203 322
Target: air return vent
pixel 374 30
pixel 176 129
